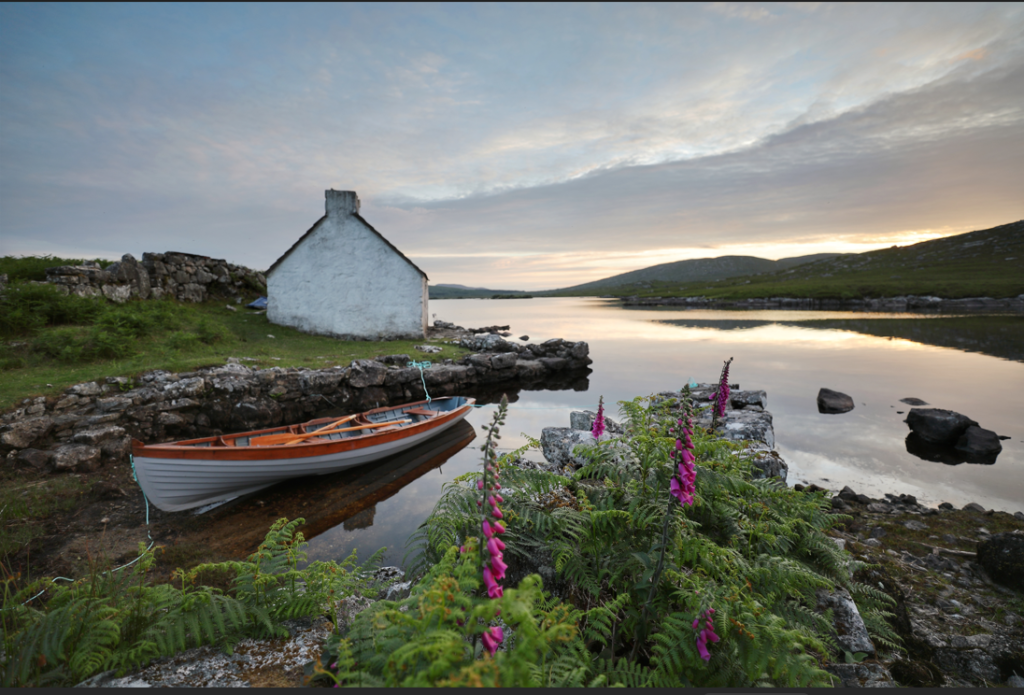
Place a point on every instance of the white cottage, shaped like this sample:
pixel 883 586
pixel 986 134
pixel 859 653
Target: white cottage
pixel 343 279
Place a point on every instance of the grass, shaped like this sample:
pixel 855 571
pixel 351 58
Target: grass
pixel 34 267
pixel 987 263
pixel 84 339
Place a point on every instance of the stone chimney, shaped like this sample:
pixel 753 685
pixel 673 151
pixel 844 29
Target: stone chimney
pixel 341 203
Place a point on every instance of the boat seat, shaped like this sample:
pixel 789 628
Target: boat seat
pixel 422 411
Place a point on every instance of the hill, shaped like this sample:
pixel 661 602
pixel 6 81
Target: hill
pixel 694 270
pixel 447 291
pixel 984 263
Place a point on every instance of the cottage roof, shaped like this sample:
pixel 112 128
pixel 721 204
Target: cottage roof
pixel 368 226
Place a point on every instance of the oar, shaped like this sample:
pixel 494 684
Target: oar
pixel 353 429
pixel 274 439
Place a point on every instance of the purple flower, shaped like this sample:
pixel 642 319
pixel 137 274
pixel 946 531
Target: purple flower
pixel 598 428
pixel 494 590
pixel 721 396
pixel 707 634
pixel 492 638
pixel 683 485
pixel 498 566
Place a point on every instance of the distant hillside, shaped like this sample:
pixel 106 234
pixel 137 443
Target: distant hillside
pixel 447 291
pixel 985 263
pixel 694 270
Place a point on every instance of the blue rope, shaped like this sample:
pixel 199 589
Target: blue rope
pixel 421 366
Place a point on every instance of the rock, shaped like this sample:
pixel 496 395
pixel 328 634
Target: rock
pixel 768 464
pixel 35 458
pixel 492 342
pixel 847 493
pixel 938 426
pixel 98 435
pixel 1015 681
pixel 209 666
pixel 877 532
pixel 862 675
pixel 833 402
pixel 584 421
pixel 912 401
pixel 745 425
pixel 915 525
pixel 1002 556
pixel 946 505
pixel 365 373
pixel 978 443
pixel 851 633
pixel 973 507
pixel 557 444
pixel 76 457
pixel 20 435
pixel 524 337
pixel 879 508
pixel 745 399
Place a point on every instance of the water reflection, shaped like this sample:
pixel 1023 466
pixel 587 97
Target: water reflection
pixel 928 451
pixel 999 336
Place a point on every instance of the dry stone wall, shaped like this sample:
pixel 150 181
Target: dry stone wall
pixel 92 423
pixel 186 277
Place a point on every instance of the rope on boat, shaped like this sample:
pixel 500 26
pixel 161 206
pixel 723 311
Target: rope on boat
pixel 421 366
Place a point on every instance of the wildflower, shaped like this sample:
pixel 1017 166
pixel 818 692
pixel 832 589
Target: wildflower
pixel 598 428
pixel 684 483
pixel 492 638
pixel 707 634
pixel 721 395
pixel 494 590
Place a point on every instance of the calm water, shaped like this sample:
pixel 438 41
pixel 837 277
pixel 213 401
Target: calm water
pixel 876 358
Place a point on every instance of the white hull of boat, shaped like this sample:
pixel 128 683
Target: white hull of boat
pixel 176 484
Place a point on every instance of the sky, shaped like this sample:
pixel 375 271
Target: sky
pixel 509 146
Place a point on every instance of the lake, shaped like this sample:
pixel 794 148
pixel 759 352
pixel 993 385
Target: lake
pixel 970 364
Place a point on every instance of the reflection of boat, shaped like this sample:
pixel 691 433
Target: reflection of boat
pixel 195 472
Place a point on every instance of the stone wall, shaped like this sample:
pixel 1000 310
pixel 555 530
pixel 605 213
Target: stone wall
pixel 92 423
pixel 186 277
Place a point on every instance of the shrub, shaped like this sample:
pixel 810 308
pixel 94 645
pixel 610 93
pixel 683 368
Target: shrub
pixel 25 308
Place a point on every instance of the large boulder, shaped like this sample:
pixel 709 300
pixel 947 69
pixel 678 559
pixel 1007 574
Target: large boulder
pixel 937 425
pixel 833 402
pixel 976 443
pixel 1002 556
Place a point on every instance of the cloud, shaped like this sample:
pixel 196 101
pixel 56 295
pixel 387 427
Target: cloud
pixel 741 10
pixel 637 132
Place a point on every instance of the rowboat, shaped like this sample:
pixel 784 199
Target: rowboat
pixel 196 472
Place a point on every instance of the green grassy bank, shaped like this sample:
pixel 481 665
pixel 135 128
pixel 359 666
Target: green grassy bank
pixel 987 263
pixel 49 341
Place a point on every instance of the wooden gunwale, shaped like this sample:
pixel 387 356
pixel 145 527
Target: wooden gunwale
pixel 188 450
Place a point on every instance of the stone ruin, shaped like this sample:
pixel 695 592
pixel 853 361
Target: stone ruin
pixel 186 277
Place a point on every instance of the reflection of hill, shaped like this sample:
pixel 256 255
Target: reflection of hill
pixel 736 325
pixel 999 336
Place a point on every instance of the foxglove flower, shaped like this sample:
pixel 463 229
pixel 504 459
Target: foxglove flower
pixel 707 634
pixel 492 638
pixel 683 483
pixel 598 428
